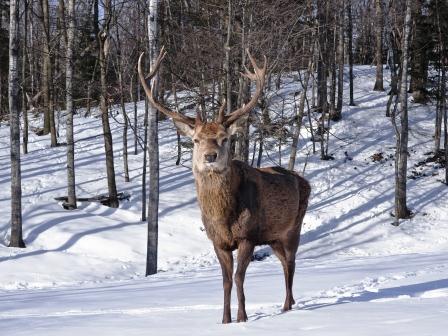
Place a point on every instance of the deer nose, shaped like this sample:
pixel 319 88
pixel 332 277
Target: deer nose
pixel 210 157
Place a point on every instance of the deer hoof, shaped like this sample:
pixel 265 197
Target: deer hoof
pixel 226 319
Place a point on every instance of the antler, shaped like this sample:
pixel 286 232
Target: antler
pixel 222 111
pixel 176 116
pixel 258 76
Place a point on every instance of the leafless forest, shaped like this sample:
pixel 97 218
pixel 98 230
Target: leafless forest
pixel 74 56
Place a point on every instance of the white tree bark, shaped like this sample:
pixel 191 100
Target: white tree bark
pixel 401 210
pixel 153 147
pixel 71 200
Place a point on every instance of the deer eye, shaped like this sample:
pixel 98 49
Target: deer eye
pixel 196 141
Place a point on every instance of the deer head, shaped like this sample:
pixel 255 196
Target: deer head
pixel 211 151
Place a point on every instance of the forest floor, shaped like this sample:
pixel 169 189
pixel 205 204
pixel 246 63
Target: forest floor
pixel 83 270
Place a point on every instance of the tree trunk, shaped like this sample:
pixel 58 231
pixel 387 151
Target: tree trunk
pixel 145 156
pixel 338 115
pixel 153 149
pixel 322 103
pixel 14 101
pixel 350 49
pixel 227 67
pixel 419 58
pixel 379 46
pixel 445 121
pixel 71 199
pixel 332 109
pixel 439 114
pixel 242 140
pixel 45 66
pixel 49 122
pixel 108 145
pixel 134 100
pixel 24 86
pixel 295 138
pixel 401 210
pixel 322 73
pixel 120 63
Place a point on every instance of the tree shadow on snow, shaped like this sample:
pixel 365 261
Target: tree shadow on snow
pixel 382 295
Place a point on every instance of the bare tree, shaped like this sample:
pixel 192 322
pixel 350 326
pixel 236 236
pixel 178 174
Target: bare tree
pixel 49 121
pixel 24 86
pixel 340 55
pixel 419 47
pixel 401 158
pixel 103 40
pixel 379 45
pixel 350 49
pixel 14 101
pixel 153 147
pixel 71 199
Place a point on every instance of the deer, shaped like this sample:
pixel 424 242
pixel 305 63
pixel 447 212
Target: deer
pixel 241 206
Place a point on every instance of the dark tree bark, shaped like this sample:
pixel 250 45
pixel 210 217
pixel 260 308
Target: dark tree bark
pixel 341 40
pixel 108 144
pixel 71 199
pixel 14 102
pixel 379 22
pixel 445 119
pixel 120 63
pixel 419 57
pixel 145 159
pixel 401 159
pixel 49 121
pixel 322 72
pixel 242 140
pixel 24 82
pixel 350 49
pixel 133 95
pixel 322 103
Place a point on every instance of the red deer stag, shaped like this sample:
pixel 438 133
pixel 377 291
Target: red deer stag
pixel 241 206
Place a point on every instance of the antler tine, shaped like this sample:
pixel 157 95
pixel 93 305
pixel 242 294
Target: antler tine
pixel 199 112
pixel 157 63
pixel 258 76
pixel 221 112
pixel 169 113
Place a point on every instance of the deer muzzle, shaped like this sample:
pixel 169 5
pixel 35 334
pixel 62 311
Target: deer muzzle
pixel 211 157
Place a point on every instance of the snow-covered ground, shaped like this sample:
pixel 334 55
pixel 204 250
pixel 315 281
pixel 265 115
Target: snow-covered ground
pixel 82 270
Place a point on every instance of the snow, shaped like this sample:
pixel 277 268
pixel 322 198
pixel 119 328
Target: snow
pixel 83 270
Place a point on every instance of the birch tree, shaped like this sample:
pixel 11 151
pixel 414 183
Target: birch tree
pixel 71 199
pixel 379 23
pixel 401 157
pixel 14 102
pixel 153 148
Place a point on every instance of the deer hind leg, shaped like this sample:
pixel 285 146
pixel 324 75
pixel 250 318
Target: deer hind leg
pixel 287 257
pixel 245 251
pixel 226 260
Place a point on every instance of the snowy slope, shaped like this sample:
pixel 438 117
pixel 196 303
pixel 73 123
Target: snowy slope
pixel 397 295
pixel 355 271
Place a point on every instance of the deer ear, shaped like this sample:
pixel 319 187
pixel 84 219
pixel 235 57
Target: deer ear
pixel 184 128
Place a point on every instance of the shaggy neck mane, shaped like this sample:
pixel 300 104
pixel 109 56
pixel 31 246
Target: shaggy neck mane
pixel 215 194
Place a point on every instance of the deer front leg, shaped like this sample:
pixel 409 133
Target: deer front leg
pixel 226 261
pixel 245 250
